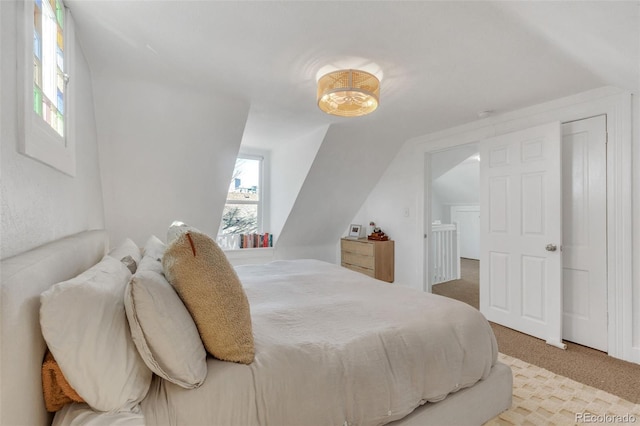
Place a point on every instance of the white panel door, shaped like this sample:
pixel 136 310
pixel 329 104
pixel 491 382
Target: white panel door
pixel 468 220
pixel 521 231
pixel 584 254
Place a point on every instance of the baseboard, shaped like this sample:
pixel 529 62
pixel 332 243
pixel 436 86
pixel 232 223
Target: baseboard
pixel 635 354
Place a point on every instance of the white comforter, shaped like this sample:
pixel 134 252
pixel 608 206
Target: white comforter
pixel 334 347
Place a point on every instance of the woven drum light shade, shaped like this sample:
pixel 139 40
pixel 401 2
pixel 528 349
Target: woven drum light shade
pixel 348 93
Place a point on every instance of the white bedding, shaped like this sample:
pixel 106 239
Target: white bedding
pixel 334 347
pixel 82 415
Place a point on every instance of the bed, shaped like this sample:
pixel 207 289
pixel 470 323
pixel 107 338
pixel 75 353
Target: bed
pixel 338 307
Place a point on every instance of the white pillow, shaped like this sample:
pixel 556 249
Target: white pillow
pixel 128 249
pixel 84 323
pixel 154 247
pixel 163 330
pixel 152 254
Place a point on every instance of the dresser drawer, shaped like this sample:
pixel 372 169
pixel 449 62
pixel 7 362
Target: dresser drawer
pixel 358 260
pixel 369 272
pixel 372 258
pixel 357 247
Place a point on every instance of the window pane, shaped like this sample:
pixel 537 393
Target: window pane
pixel 242 213
pixel 239 219
pixel 37 100
pixel 59 13
pixel 48 56
pixel 245 183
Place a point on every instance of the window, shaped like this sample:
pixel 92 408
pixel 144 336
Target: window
pixel 46 42
pixel 49 79
pixel 243 211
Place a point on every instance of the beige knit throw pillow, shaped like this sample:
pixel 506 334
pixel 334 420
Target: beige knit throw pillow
pixel 210 289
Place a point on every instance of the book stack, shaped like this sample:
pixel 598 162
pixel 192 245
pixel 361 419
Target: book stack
pixel 256 240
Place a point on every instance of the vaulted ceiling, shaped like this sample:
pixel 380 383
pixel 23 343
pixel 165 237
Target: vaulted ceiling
pixel 441 62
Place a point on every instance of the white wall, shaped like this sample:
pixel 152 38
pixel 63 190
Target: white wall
pixel 38 203
pixel 454 180
pixel 458 186
pixel 438 210
pixel 393 196
pixel 290 163
pixel 347 166
pixel 402 184
pixel 166 153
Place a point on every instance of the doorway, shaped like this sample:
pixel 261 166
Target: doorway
pixel 454 207
pixel 584 265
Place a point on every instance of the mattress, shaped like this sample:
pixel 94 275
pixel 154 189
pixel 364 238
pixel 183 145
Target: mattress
pixel 334 347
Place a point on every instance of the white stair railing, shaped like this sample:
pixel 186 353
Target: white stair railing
pixel 445 252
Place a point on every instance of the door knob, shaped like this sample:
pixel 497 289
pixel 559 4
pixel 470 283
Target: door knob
pixel 551 247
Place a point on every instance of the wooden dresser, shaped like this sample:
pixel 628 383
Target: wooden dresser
pixel 373 258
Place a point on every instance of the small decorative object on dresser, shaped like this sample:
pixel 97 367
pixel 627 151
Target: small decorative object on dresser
pixel 376 233
pixel 370 257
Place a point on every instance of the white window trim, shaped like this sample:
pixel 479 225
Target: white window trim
pixel 261 193
pixel 263 202
pixel 240 256
pixel 36 138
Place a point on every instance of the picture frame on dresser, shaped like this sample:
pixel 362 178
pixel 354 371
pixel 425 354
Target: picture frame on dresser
pixel 355 231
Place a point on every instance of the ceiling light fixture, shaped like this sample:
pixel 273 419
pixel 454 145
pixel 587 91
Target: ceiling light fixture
pixel 348 93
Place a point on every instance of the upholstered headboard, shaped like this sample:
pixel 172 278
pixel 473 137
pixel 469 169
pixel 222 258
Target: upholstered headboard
pixel 24 277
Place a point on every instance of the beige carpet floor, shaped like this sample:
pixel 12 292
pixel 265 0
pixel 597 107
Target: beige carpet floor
pixel 579 363
pixel 541 397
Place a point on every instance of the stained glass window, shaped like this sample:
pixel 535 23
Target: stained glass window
pixel 48 63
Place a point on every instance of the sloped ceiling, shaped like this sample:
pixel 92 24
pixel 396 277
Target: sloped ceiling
pixel 443 161
pixel 460 184
pixel 441 63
